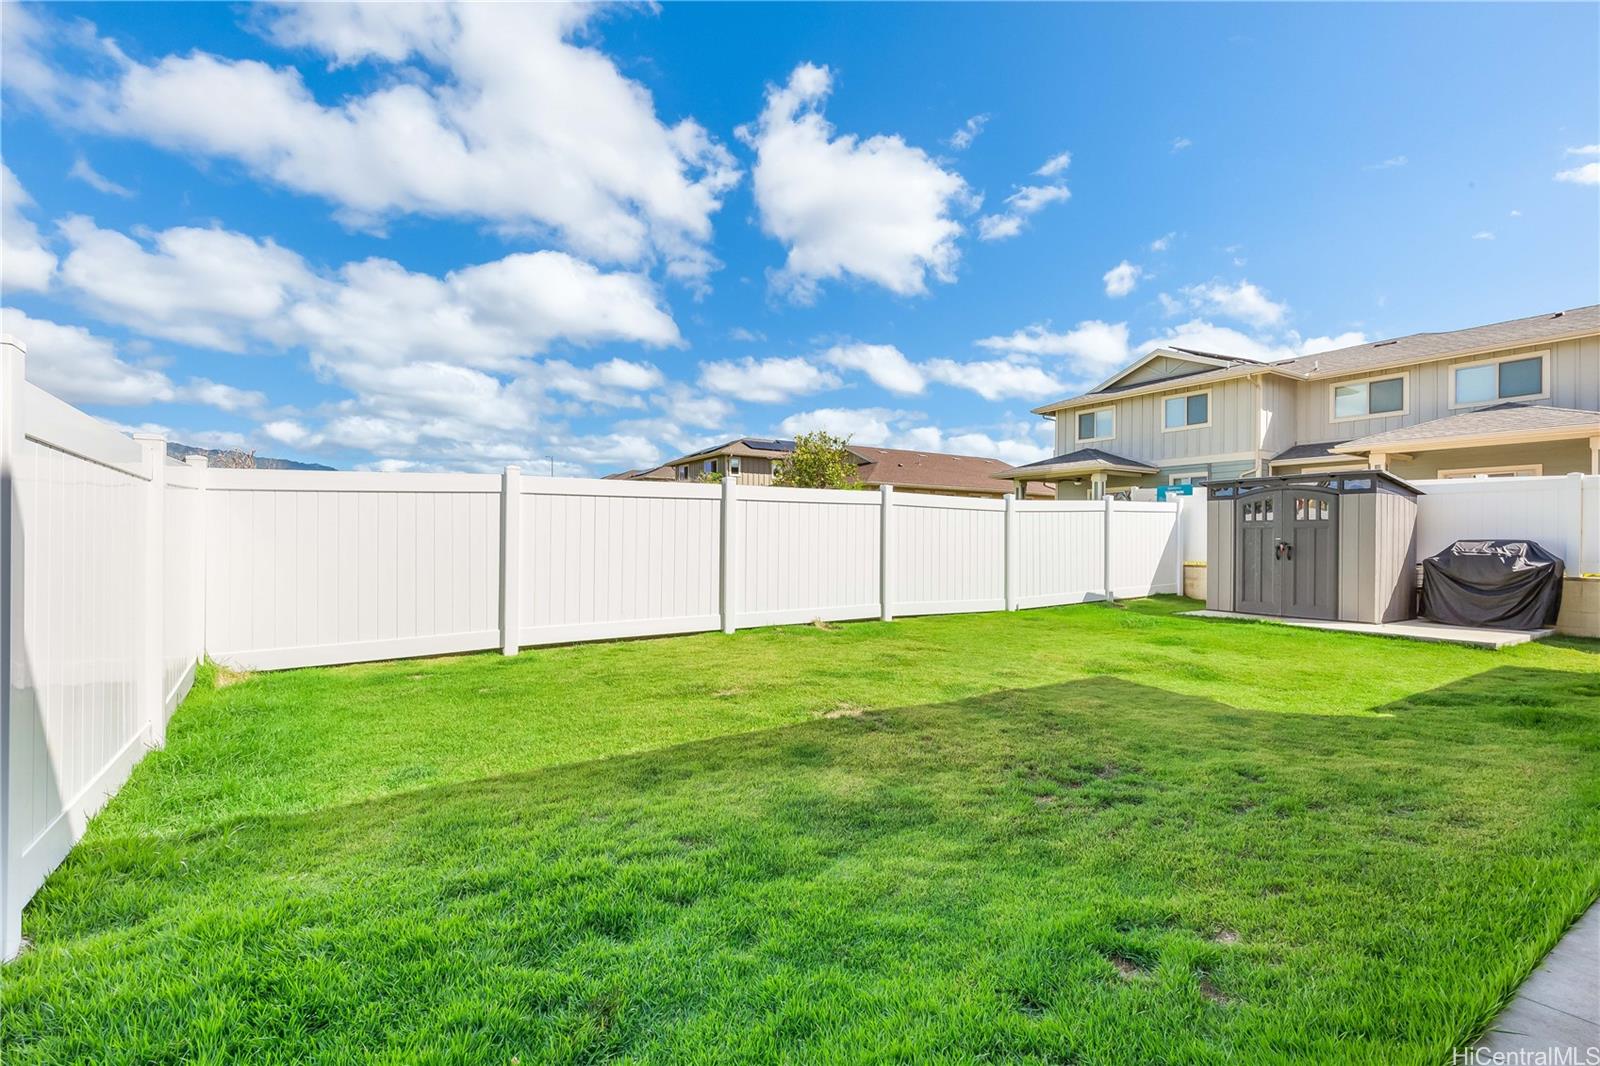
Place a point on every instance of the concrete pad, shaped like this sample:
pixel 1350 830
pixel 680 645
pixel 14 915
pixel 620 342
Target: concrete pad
pixel 1555 1016
pixel 1415 629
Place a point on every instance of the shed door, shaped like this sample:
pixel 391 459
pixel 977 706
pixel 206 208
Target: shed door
pixel 1308 522
pixel 1256 541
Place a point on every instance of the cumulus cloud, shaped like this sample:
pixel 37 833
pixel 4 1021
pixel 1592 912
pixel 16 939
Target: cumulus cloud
pixel 82 171
pixel 1090 346
pixel 1162 243
pixel 1121 278
pixel 962 138
pixel 996 379
pixel 1026 201
pixel 25 262
pixel 772 380
pixel 861 425
pixel 1244 301
pixel 885 364
pixel 1204 336
pixel 878 210
pixel 479 111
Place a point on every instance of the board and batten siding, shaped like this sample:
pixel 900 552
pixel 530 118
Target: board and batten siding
pixel 1139 434
pixel 1574 382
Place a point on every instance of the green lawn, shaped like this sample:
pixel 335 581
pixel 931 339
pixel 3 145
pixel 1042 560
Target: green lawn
pixel 1075 835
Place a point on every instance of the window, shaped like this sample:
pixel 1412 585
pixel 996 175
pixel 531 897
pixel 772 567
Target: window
pixel 1522 378
pixel 709 466
pixel 1186 479
pixel 733 465
pixel 683 473
pixel 1100 424
pixel 1187 412
pixel 1375 396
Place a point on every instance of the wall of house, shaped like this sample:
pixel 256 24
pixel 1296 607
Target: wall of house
pixel 1164 367
pixel 1557 457
pixel 1574 382
pixel 1139 433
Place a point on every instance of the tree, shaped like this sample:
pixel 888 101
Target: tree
pixel 819 461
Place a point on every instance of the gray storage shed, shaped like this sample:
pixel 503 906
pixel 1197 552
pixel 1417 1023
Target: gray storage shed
pixel 1332 546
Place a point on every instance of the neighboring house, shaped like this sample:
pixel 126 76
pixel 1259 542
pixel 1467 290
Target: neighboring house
pixel 1514 398
pixel 652 473
pixel 755 461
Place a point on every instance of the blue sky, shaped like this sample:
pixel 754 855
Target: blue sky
pixel 419 238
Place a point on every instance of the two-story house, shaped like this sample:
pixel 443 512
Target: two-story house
pixel 1513 398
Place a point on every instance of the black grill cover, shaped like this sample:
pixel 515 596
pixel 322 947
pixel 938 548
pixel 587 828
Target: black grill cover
pixel 1508 584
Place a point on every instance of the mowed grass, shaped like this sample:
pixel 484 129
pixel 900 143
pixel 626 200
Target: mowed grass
pixel 1076 835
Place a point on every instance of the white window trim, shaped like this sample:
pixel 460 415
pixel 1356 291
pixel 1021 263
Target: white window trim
pixel 1544 379
pixel 1405 397
pixel 1080 412
pixel 1518 470
pixel 1211 411
pixel 1185 479
pixel 733 465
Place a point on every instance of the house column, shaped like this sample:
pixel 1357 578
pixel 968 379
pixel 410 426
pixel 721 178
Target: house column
pixel 1097 485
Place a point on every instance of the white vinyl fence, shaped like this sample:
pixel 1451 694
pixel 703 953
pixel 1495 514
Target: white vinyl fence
pixel 121 569
pixel 1561 513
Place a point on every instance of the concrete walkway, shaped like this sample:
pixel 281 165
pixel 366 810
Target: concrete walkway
pixel 1556 1012
pixel 1413 629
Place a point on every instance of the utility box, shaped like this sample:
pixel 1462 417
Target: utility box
pixel 1340 547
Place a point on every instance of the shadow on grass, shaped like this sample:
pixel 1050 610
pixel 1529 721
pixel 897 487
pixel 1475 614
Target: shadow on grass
pixel 1092 871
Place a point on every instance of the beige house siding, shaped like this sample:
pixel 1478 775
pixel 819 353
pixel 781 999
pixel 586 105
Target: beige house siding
pixel 1139 434
pixel 1574 381
pixel 1556 457
pixel 1163 367
pixel 1279 399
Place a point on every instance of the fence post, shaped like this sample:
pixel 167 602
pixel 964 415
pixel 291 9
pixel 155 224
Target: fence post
pixel 885 559
pixel 199 554
pixel 1178 505
pixel 1011 552
pixel 510 559
pixel 730 554
pixel 1105 561
pixel 152 664
pixel 12 359
pixel 1570 495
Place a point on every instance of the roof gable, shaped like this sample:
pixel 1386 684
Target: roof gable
pixel 1163 364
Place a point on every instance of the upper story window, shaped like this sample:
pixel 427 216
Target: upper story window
pixel 1100 424
pixel 1525 377
pixel 1375 396
pixel 1188 411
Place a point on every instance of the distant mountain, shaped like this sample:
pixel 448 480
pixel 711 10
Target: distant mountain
pixel 234 458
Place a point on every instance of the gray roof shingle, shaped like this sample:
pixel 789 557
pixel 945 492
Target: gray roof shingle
pixel 1501 418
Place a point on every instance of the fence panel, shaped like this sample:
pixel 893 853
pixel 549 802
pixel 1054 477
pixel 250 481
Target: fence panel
pixel 607 559
pixel 947 554
pixel 183 595
pixel 1549 510
pixel 1060 552
pixel 805 554
pixel 307 568
pixel 75 713
pixel 1144 551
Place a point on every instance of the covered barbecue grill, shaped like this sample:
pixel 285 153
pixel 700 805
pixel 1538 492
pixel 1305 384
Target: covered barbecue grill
pixel 1330 546
pixel 1506 584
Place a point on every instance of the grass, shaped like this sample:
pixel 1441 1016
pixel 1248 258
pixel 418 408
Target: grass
pixel 1076 835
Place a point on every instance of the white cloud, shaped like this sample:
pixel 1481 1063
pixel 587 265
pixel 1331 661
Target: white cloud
pixel 1093 345
pixel 80 367
pixel 1203 336
pixel 1587 174
pixel 693 407
pixel 222 397
pixel 613 383
pixel 1388 164
pixel 747 336
pixel 1587 149
pixel 1008 449
pixel 1055 165
pixel 1121 278
pixel 1030 199
pixel 25 263
pixel 207 287
pixel 1514 213
pixel 878 209
pixel 1483 235
pixel 486 111
pixel 1180 143
pixel 96 180
pixel 996 379
pixel 862 425
pixel 885 364
pixel 962 138
pixel 1163 242
pixel 1313 345
pixel 998 227
pixel 771 380
pixel 1244 301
